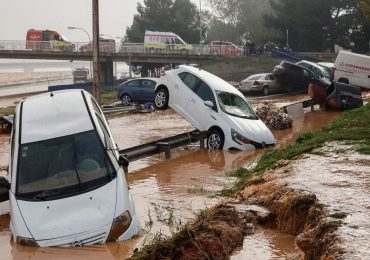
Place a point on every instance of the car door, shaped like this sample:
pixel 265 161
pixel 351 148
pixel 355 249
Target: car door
pixel 200 115
pixel 148 87
pixel 133 87
pixel 184 83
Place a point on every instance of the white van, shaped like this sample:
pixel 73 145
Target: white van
pixel 165 41
pixel 67 186
pixel 352 68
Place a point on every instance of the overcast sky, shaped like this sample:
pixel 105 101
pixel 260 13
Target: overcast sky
pixel 17 16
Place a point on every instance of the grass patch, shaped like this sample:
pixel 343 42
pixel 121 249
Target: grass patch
pixel 108 97
pixel 353 125
pixel 364 148
pixel 261 61
pixel 7 110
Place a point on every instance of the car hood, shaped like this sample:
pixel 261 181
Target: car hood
pixel 70 216
pixel 254 130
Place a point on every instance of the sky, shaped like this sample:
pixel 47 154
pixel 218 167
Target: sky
pixel 17 16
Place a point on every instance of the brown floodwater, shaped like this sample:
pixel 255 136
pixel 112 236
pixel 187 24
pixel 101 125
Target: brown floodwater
pixel 166 192
pixel 341 181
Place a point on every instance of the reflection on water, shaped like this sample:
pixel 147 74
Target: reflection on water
pixel 267 244
pixel 165 192
pixel 341 180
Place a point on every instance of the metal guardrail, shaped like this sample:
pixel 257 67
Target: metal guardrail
pixel 163 145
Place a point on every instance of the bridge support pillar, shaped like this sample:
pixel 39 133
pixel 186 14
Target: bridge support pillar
pixel 106 73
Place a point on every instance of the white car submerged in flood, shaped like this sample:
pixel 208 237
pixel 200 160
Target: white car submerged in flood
pixel 213 105
pixel 67 185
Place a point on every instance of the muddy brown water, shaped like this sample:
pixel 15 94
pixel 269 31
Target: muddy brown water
pixel 166 192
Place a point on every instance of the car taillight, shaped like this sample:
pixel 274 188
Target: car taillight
pixel 256 83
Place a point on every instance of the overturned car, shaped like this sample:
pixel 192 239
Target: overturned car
pixel 334 95
pixel 214 106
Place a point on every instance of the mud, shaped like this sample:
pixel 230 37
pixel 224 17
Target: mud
pixel 213 235
pixel 324 204
pixel 166 192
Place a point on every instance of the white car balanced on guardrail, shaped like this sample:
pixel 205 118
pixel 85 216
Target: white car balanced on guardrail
pixel 213 105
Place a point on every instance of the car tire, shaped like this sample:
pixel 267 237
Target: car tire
pixel 161 99
pixel 266 90
pixel 126 99
pixel 215 139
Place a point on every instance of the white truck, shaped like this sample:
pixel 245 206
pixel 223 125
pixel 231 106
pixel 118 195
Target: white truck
pixel 352 68
pixel 168 41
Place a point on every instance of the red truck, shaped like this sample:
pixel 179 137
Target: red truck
pixel 47 40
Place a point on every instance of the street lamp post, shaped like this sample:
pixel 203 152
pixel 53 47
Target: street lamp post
pixel 88 36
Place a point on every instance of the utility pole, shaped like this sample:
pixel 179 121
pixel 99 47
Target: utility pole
pixel 287 39
pixel 96 56
pixel 200 22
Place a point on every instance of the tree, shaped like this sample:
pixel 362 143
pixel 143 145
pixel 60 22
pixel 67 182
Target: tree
pixel 317 25
pixel 364 6
pixel 243 18
pixel 178 16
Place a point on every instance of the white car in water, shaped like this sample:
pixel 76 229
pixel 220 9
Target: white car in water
pixel 214 106
pixel 67 186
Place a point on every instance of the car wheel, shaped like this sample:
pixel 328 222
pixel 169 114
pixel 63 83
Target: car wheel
pixel 126 100
pixel 266 90
pixel 161 99
pixel 215 140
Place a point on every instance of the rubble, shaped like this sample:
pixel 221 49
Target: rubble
pixel 274 117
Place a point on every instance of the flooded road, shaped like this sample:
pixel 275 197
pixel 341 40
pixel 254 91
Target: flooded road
pixel 24 90
pixel 340 178
pixel 166 192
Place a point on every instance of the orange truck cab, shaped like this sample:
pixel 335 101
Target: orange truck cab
pixel 47 39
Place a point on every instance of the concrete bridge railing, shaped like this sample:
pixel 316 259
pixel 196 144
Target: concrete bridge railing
pixel 83 47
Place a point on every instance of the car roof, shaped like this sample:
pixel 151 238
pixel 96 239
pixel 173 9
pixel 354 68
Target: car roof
pixel 311 63
pixel 259 75
pixel 154 79
pixel 54 114
pixel 213 81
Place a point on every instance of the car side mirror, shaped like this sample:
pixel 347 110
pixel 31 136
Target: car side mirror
pixel 209 103
pixel 123 161
pixel 4 189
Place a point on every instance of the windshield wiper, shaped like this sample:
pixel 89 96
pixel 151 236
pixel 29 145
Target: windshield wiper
pixel 75 164
pixel 46 194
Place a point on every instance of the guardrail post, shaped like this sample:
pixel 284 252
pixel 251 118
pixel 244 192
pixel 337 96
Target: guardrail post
pixel 166 148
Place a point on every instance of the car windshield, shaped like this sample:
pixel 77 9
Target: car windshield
pixel 62 166
pixel 235 105
pixel 327 72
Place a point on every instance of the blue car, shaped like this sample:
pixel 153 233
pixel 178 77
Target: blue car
pixel 139 90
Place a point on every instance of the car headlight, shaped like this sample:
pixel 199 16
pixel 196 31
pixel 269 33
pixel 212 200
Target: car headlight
pixel 25 241
pixel 239 138
pixel 119 226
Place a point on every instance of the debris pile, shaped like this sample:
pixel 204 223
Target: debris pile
pixel 274 117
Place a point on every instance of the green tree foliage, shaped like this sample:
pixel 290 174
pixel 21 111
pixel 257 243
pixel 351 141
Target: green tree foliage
pixel 178 16
pixel 316 25
pixel 240 20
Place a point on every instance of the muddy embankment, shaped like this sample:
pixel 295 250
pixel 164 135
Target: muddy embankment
pixel 316 190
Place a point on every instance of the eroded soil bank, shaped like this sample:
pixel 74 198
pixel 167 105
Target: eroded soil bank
pixel 323 205
pixel 316 191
